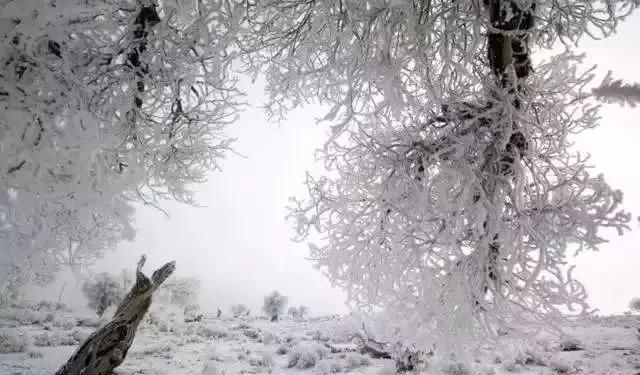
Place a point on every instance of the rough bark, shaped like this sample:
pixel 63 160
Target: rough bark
pixel 107 347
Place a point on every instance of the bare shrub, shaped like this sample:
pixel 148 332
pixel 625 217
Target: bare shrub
pixel 12 342
pixel 304 356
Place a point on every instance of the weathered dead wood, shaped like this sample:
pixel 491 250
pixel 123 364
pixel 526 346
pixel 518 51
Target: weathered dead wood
pixel 107 347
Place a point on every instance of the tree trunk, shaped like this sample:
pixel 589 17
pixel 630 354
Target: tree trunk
pixel 107 347
pixel 510 62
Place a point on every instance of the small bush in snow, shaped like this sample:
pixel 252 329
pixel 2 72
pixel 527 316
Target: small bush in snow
pixel 571 344
pixel 64 323
pixel 43 339
pixel 282 349
pixel 20 316
pixel 516 357
pixel 158 349
pixel 12 342
pixel 163 326
pixel 560 366
pixel 50 317
pixel 268 337
pixel 530 357
pixel 456 368
pixel 306 356
pixel 388 368
pixel 212 368
pixel 211 331
pixel 102 291
pixel 486 370
pixel 274 305
pixel 34 355
pixel 327 367
pixel 319 336
pixel 262 360
pixel 355 360
pixel 252 333
pixel 213 354
pixel 55 339
pixel 52 306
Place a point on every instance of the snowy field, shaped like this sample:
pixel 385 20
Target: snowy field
pixel 37 340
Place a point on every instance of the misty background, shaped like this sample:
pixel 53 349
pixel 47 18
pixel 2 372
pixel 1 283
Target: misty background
pixel 238 243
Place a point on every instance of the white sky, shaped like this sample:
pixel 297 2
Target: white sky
pixel 239 244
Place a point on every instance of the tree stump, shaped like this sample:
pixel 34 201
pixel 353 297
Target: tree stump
pixel 107 347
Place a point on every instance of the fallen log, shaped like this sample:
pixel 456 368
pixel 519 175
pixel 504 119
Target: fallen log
pixel 107 347
pixel 407 359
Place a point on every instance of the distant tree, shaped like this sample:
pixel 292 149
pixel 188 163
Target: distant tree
pixel 274 305
pixel 298 313
pixel 634 304
pixel 191 313
pixel 293 312
pixel 238 310
pixel 303 312
pixel 10 290
pixel 102 291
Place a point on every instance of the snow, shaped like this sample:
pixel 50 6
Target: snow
pixel 254 345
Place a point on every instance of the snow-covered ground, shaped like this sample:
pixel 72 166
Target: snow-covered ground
pixel 37 340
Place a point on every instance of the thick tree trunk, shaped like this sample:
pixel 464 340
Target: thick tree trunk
pixel 510 62
pixel 107 347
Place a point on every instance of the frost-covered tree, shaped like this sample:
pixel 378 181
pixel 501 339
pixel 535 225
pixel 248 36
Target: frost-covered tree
pixel 452 197
pixel 297 313
pixel 634 304
pixel 274 305
pixel 239 310
pixel 303 312
pixel 293 312
pixel 104 103
pixel 102 291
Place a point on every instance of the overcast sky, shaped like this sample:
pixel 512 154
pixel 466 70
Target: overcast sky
pixel 239 244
